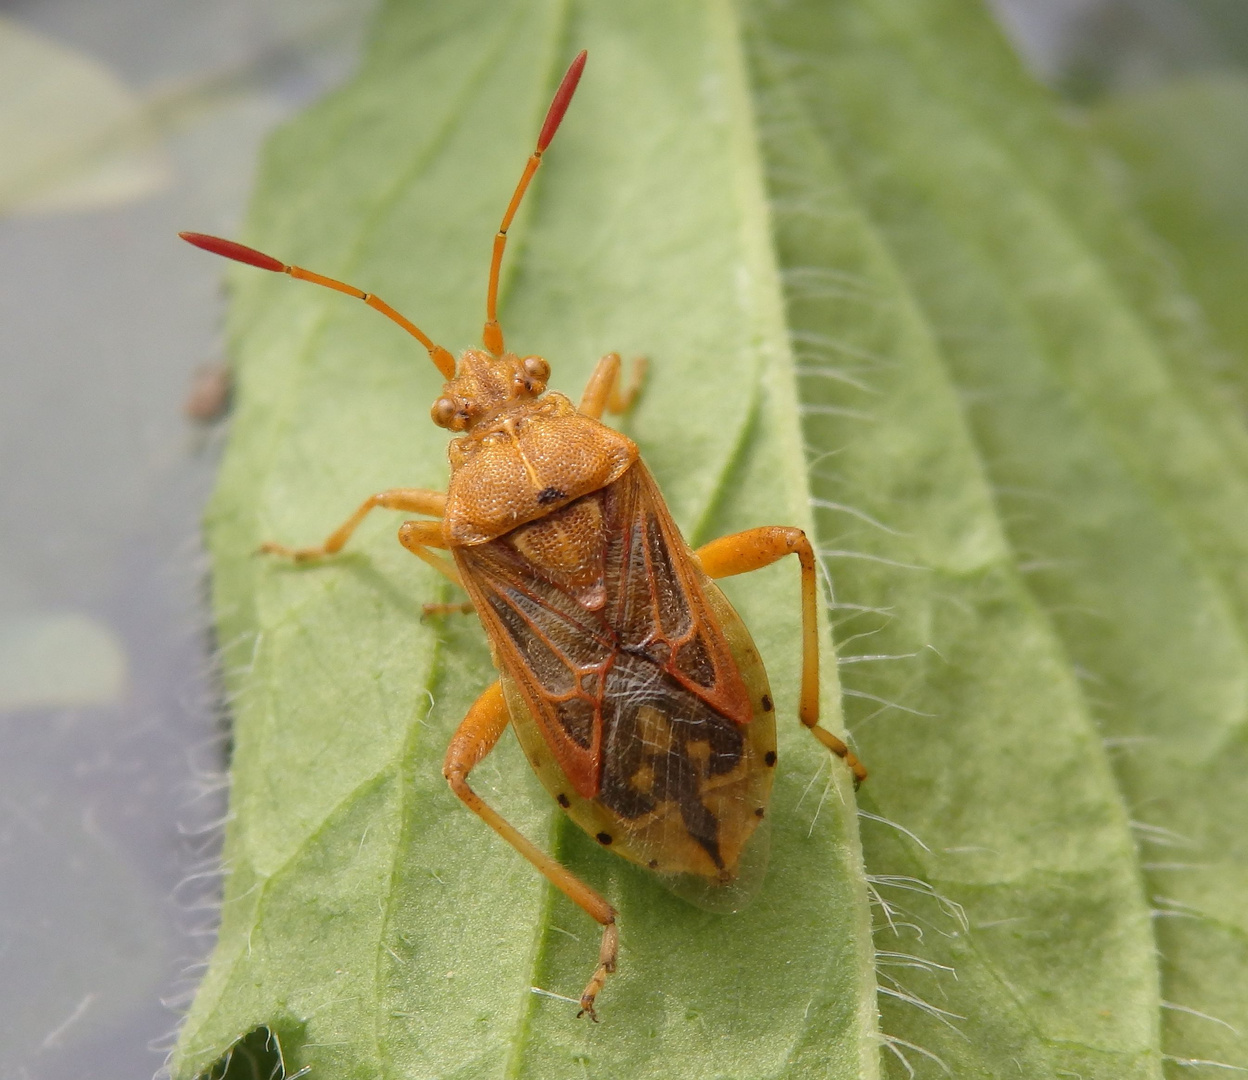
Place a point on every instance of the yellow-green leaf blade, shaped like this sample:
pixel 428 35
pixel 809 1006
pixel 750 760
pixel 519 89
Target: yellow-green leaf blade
pixel 377 925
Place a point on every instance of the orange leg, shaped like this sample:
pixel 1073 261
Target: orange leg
pixel 464 608
pixel 419 536
pixel 603 392
pixel 754 549
pixel 413 500
pixel 473 739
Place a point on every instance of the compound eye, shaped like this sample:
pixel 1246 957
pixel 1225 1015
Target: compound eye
pixel 536 368
pixel 443 412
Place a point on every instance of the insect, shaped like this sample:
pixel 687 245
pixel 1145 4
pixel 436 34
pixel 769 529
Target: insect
pixel 633 687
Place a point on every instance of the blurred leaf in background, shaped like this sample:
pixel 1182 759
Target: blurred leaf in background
pixel 74 137
pixel 1176 148
pixel 1182 157
pixel 880 276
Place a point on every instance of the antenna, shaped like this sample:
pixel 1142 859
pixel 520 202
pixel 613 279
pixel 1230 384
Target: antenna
pixel 492 335
pixel 441 358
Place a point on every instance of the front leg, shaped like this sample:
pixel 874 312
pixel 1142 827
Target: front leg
pixel 475 737
pixel 412 500
pixel 752 550
pixel 419 537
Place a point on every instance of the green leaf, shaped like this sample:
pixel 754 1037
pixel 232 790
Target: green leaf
pixel 370 920
pixel 1185 148
pixel 1036 423
pixel 855 230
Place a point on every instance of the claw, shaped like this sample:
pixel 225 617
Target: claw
pixel 606 965
pixel 269 547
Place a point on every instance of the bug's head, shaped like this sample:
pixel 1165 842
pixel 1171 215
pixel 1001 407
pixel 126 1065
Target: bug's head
pixel 485 385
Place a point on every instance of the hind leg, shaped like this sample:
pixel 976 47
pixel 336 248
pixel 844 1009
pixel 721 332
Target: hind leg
pixel 753 549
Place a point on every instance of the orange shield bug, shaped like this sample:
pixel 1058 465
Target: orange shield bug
pixel 633 687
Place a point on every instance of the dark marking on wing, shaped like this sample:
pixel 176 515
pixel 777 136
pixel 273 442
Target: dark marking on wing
pixel 550 495
pixel 545 663
pixel 695 661
pixel 576 717
pixel 678 781
pixel 672 606
pixel 663 745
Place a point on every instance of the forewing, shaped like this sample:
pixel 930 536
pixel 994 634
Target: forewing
pixel 554 648
pixel 598 615
pixel 658 606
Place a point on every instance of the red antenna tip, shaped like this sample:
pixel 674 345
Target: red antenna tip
pixel 563 97
pixel 231 250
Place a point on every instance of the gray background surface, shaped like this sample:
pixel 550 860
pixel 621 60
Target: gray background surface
pixel 111 742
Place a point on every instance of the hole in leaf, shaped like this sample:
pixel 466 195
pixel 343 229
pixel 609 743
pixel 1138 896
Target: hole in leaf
pixel 263 1054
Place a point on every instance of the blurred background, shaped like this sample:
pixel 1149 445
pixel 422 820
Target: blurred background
pixel 121 122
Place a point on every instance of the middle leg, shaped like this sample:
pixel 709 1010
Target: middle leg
pixel 419 537
pixel 464 607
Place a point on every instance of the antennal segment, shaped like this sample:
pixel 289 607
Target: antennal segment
pixel 441 358
pixel 492 335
